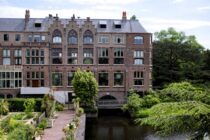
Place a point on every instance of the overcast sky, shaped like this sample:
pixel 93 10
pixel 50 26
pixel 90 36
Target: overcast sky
pixel 190 16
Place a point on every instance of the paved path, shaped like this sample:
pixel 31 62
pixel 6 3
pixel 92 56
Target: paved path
pixel 56 132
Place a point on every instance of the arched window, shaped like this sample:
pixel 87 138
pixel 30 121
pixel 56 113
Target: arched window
pixel 57 36
pixel 88 37
pixel 72 37
pixel 138 40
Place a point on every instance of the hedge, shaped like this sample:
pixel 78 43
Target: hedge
pixel 17 104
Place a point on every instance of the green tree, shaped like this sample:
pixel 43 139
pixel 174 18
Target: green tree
pixel 178 117
pixel 133 17
pixel 4 107
pixel 29 105
pixel 85 87
pixel 176 57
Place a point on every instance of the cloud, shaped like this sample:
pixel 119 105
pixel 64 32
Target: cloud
pixel 96 2
pixel 204 8
pixel 177 1
pixel 156 24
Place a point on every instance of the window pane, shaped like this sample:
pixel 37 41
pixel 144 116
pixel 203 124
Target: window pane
pixel 70 77
pixel 103 79
pixel 57 79
pixel 138 40
pixel 6 61
pixel 118 79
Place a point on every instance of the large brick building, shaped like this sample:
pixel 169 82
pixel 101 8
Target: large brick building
pixel 38 54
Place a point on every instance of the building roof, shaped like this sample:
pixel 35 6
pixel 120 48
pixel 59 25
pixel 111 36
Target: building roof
pixel 127 26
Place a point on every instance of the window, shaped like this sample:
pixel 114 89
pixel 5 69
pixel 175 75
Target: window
pixel 88 56
pixel 6 57
pixel 10 79
pixel 118 78
pixel 18 57
pixel 103 56
pixel 72 56
pixel 57 79
pixel 103 79
pixel 35 79
pixel 138 40
pixel 117 24
pixel 103 39
pixel 118 56
pixel 72 37
pixel 37 38
pixel 118 39
pixel 30 38
pixel 37 25
pixel 70 77
pixel 17 37
pixel 138 78
pixel 138 57
pixel 6 37
pixel 35 56
pixel 57 36
pixel 42 38
pixel 102 24
pixel 88 37
pixel 57 56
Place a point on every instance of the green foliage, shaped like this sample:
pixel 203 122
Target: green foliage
pixel 48 105
pixel 59 106
pixel 176 57
pixel 133 17
pixel 17 104
pixel 184 91
pixel 177 117
pixel 43 124
pixel 29 106
pixel 4 107
pixel 79 112
pixel 85 87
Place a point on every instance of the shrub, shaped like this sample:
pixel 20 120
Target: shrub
pixel 43 124
pixel 29 105
pixel 4 107
pixel 59 107
pixel 79 112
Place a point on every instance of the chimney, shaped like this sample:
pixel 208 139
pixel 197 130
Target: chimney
pixel 88 19
pixel 124 16
pixel 27 17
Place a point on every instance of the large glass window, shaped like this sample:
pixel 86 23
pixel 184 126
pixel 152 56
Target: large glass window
pixel 118 78
pixel 88 37
pixel 34 56
pixel 17 37
pixel 138 78
pixel 103 56
pixel 138 40
pixel 118 39
pixel 35 79
pixel 118 56
pixel 103 79
pixel 88 56
pixel 37 38
pixel 10 79
pixel 70 77
pixel 138 57
pixel 56 56
pixel 72 56
pixel 103 39
pixel 57 79
pixel 18 57
pixel 6 57
pixel 72 37
pixel 57 36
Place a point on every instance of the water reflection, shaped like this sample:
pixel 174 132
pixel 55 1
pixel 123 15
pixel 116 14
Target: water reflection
pixel 120 128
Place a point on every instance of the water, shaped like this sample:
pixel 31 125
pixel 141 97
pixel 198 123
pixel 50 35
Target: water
pixel 119 127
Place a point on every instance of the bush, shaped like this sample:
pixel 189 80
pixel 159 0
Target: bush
pixel 43 124
pixel 17 104
pixel 4 107
pixel 29 105
pixel 59 107
pixel 79 112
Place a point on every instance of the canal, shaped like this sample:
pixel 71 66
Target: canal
pixel 115 125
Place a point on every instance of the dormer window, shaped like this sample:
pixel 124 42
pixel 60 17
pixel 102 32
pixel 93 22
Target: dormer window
pixel 117 24
pixel 102 24
pixel 38 25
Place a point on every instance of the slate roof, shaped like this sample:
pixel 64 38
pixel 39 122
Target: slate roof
pixel 127 26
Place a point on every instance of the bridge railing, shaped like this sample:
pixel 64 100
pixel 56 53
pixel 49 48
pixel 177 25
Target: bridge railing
pixel 111 102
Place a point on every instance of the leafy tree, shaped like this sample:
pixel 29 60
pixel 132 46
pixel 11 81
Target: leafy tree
pixel 177 117
pixel 85 87
pixel 176 57
pixel 4 107
pixel 29 105
pixel 133 17
pixel 48 105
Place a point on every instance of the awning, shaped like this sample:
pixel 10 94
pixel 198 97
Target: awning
pixel 34 90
